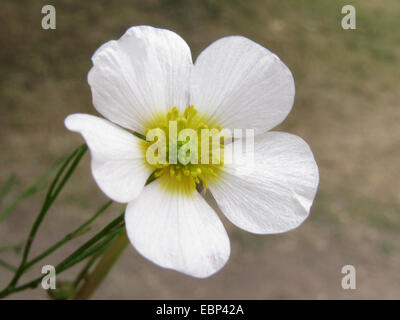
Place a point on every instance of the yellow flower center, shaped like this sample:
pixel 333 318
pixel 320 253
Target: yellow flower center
pixel 183 150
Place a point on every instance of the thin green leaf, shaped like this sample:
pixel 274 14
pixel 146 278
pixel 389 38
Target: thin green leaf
pixel 105 231
pixel 11 181
pixel 78 232
pixel 70 163
pixel 16 248
pixel 93 250
pixel 86 269
pixel 71 262
pixel 33 189
pixel 7 266
pixel 139 135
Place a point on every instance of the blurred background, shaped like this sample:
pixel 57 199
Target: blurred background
pixel 346 108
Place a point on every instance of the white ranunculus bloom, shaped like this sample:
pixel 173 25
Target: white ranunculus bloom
pixel 146 78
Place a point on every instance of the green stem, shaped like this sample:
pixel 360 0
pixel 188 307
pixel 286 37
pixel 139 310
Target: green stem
pixel 103 267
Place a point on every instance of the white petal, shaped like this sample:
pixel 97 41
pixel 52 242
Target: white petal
pixel 177 231
pixel 143 73
pixel 240 84
pixel 276 194
pixel 117 163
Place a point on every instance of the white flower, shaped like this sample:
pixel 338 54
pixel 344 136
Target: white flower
pixel 136 82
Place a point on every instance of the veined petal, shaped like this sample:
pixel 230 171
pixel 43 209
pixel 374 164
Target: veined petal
pixel 276 194
pixel 240 84
pixel 177 231
pixel 117 156
pixel 143 73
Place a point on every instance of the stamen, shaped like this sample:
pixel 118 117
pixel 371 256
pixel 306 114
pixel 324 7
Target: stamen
pixel 190 174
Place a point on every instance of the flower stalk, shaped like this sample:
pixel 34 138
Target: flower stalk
pixel 103 267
